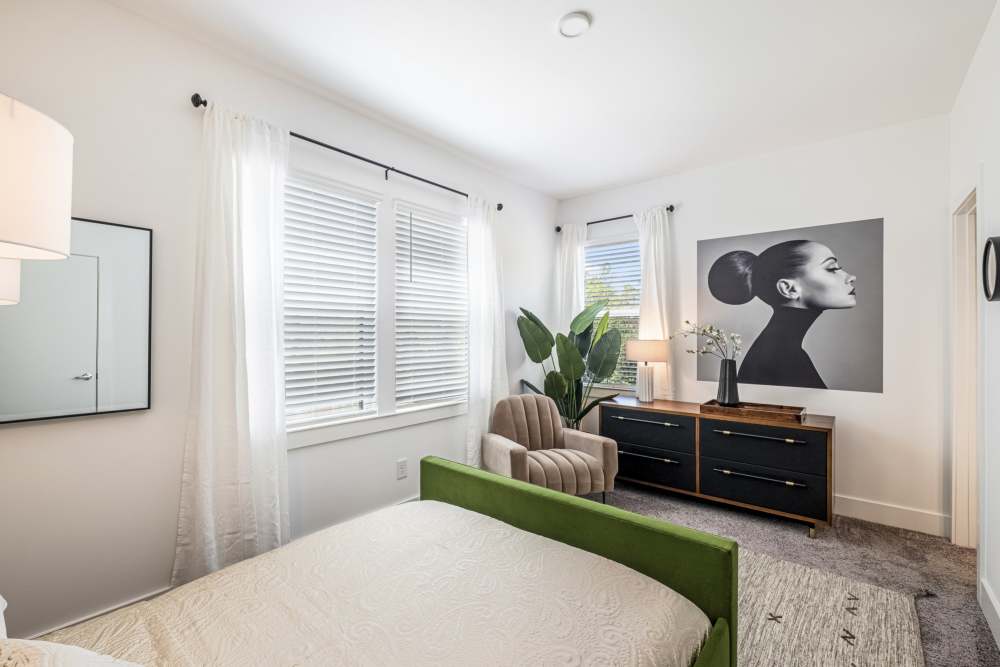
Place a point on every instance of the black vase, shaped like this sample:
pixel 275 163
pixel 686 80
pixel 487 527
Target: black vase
pixel 729 393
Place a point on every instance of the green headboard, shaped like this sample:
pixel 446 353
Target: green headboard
pixel 699 566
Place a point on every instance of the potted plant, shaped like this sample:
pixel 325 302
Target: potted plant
pixel 586 356
pixel 722 344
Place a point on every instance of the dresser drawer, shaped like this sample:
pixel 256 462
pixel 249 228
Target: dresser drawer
pixel 649 429
pixel 660 466
pixel 792 492
pixel 771 446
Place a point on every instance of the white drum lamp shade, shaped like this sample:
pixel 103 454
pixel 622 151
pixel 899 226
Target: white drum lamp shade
pixel 36 183
pixel 10 281
pixel 645 351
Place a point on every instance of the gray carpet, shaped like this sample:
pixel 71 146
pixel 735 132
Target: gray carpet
pixel 940 575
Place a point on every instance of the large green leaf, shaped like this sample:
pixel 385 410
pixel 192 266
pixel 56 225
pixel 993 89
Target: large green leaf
pixel 586 317
pixel 582 341
pixel 537 341
pixel 604 357
pixel 556 386
pixel 570 362
pixel 602 326
pixel 541 325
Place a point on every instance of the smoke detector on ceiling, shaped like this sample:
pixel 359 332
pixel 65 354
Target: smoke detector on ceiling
pixel 574 24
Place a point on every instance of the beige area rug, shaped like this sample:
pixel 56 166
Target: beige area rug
pixel 792 616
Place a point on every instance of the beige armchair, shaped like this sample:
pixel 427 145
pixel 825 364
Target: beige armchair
pixel 528 442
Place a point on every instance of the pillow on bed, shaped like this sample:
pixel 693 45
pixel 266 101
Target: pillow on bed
pixel 29 653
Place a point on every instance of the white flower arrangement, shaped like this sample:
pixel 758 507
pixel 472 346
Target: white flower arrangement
pixel 719 343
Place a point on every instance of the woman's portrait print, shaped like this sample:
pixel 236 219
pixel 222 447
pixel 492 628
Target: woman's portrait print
pixel 808 303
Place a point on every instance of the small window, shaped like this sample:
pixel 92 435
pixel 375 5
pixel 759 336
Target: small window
pixel 612 274
pixel 329 294
pixel 431 313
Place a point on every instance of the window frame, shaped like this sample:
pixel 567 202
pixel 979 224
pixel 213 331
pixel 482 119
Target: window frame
pixel 388 416
pixel 610 239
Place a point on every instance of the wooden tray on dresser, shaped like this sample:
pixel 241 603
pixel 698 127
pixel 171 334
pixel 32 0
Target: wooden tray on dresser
pixel 774 413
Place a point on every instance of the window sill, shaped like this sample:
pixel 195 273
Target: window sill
pixel 309 436
pixel 615 387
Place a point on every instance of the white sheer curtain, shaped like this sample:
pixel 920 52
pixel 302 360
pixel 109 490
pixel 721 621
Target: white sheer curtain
pixel 654 294
pixel 234 487
pixel 487 340
pixel 569 274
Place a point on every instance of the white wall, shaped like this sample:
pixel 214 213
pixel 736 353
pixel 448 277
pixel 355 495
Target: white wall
pixel 975 165
pixel 89 505
pixel 891 454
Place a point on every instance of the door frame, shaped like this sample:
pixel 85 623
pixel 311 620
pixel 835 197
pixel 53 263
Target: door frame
pixel 966 382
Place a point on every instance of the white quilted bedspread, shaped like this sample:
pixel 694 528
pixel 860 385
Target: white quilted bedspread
pixel 422 583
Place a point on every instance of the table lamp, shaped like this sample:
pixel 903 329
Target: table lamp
pixel 36 186
pixel 10 281
pixel 645 351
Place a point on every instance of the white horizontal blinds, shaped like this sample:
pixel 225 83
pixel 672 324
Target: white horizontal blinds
pixel 612 274
pixel 432 324
pixel 329 317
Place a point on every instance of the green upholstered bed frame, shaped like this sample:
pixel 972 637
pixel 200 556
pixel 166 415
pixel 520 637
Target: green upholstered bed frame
pixel 699 566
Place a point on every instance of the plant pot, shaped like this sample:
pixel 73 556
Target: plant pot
pixel 729 393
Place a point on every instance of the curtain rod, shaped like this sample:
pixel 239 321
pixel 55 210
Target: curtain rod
pixel 198 101
pixel 668 207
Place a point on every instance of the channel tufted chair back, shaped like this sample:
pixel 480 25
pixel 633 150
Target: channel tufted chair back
pixel 528 442
pixel 530 420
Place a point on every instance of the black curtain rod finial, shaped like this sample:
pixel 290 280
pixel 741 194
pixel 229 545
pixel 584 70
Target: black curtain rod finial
pixel 198 101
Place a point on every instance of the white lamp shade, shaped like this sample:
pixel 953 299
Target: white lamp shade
pixel 10 281
pixel 36 183
pixel 646 350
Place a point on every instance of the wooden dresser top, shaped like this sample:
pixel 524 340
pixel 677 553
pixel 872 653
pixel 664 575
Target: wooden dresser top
pixel 809 421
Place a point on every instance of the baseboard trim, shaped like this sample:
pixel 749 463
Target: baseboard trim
pixel 991 608
pixel 103 611
pixel 900 516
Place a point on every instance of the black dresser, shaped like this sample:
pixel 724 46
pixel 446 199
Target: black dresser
pixel 775 467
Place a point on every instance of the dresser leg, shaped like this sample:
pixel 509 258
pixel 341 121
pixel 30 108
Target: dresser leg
pixel 812 532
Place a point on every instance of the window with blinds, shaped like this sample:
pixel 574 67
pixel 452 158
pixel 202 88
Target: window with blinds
pixel 329 291
pixel 431 314
pixel 612 274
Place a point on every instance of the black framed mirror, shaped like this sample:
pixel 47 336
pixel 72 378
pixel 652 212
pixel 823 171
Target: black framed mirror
pixel 78 342
pixel 991 276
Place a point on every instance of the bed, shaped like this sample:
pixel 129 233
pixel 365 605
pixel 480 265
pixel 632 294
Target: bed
pixel 481 570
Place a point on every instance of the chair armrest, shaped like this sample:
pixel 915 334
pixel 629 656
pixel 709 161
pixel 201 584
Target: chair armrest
pixel 603 449
pixel 505 457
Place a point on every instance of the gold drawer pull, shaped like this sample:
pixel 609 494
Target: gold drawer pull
pixel 738 434
pixel 747 475
pixel 645 421
pixel 644 456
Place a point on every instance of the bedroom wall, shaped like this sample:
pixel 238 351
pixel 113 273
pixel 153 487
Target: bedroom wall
pixel 90 505
pixel 891 456
pixel 975 165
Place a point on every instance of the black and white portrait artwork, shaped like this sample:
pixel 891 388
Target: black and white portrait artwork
pixel 807 302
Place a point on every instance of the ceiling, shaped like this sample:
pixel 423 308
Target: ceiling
pixel 655 86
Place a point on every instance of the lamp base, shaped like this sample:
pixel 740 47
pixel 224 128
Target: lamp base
pixel 644 383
